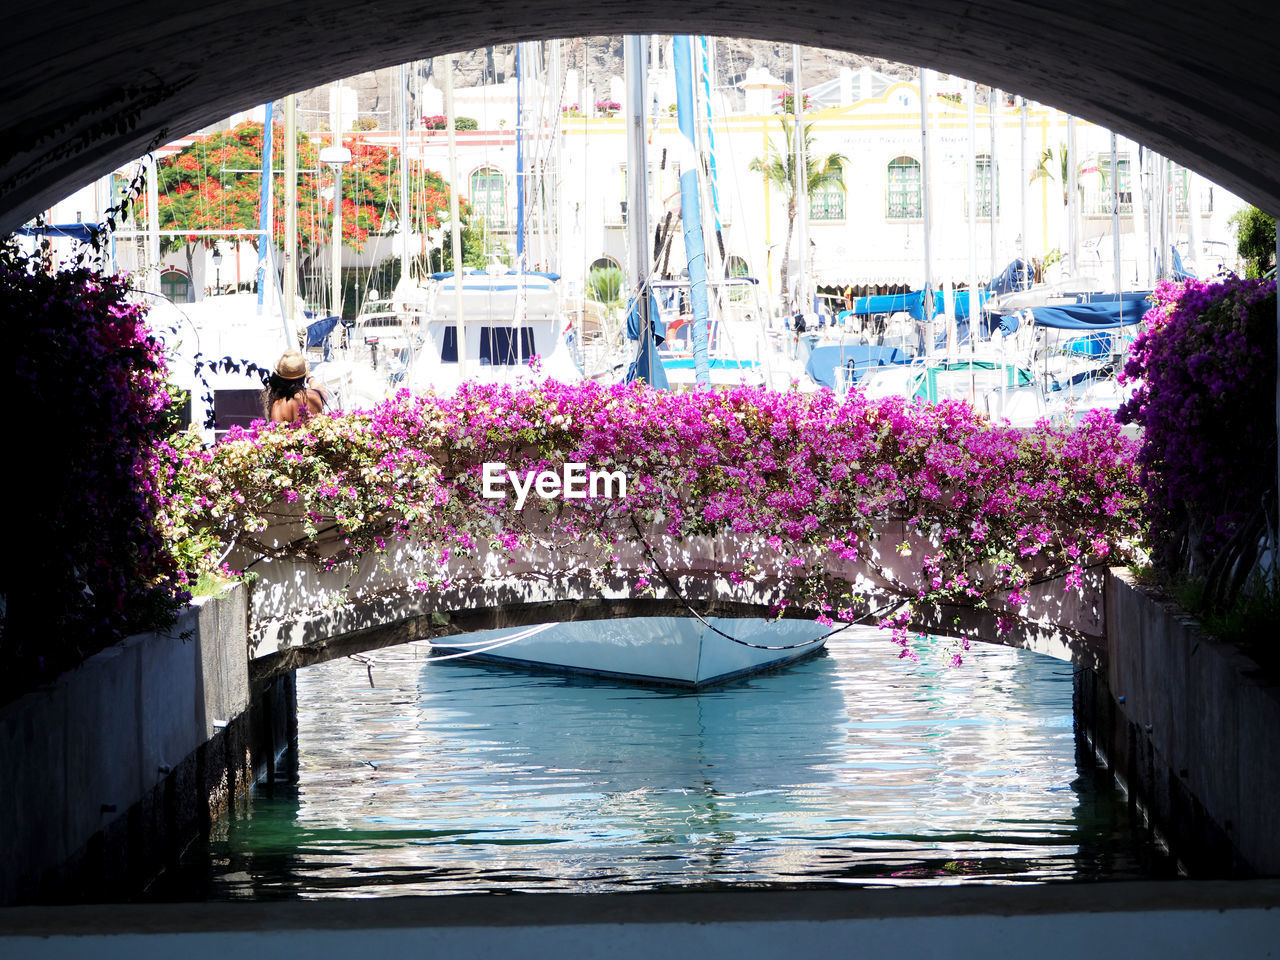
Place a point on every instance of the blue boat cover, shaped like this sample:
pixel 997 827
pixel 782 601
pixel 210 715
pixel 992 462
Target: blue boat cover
pixel 77 231
pixel 1016 276
pixel 1089 316
pixel 961 298
pixel 647 365
pixel 912 303
pixel 858 359
pixel 318 334
pixel 1179 271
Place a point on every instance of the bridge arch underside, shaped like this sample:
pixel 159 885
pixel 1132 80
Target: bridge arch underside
pixel 303 614
pixel 90 85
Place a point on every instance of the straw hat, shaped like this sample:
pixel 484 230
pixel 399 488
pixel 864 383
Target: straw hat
pixel 291 366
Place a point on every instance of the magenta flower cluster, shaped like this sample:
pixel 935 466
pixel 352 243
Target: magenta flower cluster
pixel 88 412
pixel 791 473
pixel 1205 397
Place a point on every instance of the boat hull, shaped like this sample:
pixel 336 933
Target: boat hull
pixel 667 651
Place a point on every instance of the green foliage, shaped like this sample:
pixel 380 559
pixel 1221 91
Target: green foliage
pixel 605 283
pixel 1247 621
pixel 439 122
pixel 477 249
pixel 1255 241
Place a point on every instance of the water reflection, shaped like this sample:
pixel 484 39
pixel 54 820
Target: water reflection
pixel 852 767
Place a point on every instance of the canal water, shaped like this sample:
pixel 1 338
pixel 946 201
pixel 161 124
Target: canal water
pixel 851 768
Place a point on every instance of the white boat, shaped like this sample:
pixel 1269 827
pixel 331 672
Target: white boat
pixel 991 385
pixel 509 318
pixel 214 329
pixel 667 651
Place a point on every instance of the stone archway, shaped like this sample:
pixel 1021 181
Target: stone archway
pixel 88 86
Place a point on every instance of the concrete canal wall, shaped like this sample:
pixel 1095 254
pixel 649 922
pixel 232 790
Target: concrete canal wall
pixel 113 770
pixel 122 762
pixel 1190 726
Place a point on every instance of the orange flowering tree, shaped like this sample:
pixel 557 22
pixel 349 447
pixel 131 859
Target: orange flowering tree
pixel 214 183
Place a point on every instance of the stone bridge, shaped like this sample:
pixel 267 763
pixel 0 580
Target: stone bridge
pixel 303 614
pixel 90 85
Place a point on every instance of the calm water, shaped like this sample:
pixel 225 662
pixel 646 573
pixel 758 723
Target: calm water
pixel 850 768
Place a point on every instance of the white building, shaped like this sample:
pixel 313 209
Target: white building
pixel 865 222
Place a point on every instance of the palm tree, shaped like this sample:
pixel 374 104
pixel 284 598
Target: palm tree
pixel 778 167
pixel 1045 169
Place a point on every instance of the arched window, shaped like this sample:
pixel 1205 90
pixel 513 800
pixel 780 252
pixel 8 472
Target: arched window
pixel 735 267
pixel 605 280
pixel 904 195
pixel 176 285
pixel 826 200
pixel 489 197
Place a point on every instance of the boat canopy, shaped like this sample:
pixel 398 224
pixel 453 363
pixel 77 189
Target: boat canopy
pixel 912 303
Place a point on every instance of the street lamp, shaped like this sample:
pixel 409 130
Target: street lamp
pixel 217 270
pixel 336 158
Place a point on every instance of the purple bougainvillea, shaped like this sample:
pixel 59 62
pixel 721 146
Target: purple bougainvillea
pixel 87 414
pixel 1205 398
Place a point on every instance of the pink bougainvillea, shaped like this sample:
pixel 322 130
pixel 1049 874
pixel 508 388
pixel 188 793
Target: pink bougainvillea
pixel 792 471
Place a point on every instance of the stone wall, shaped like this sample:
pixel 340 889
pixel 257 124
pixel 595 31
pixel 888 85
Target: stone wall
pixel 1190 726
pixel 113 769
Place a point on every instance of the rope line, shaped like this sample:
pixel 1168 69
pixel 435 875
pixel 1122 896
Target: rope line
pixel 891 608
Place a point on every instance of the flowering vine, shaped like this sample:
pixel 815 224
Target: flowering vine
pixel 792 474
pixel 90 410
pixel 1206 373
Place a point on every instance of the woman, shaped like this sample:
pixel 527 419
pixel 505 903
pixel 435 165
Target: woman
pixel 290 393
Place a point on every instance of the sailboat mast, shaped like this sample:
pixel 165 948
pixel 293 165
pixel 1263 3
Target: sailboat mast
pixel 455 228
pixel 971 188
pixel 708 68
pixel 1022 178
pixel 802 177
pixel 264 212
pixel 690 204
pixel 1073 200
pixel 1115 223
pixel 336 244
pixel 405 219
pixel 994 100
pixel 925 211
pixel 290 205
pixel 638 190
pixel 520 177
